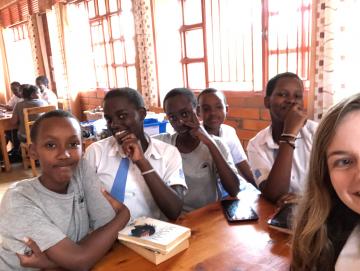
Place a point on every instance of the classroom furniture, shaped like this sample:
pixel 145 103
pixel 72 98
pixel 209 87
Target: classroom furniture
pixel 216 245
pixel 5 125
pixel 29 120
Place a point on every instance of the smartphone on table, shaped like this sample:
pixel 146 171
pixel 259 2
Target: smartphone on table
pixel 237 211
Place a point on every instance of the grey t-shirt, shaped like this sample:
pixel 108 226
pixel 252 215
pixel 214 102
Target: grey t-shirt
pixel 28 209
pixel 200 172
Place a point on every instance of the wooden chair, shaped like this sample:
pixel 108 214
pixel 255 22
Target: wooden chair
pixel 28 121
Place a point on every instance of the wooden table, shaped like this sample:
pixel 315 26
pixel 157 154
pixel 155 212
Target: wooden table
pixel 217 245
pixel 5 125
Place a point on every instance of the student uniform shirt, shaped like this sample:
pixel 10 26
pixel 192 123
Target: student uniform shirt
pixel 229 136
pixel 105 156
pixel 200 172
pixel 50 97
pixel 262 151
pixel 28 209
pixel 349 258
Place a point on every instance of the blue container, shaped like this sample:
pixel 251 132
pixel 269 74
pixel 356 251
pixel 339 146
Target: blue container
pixel 154 127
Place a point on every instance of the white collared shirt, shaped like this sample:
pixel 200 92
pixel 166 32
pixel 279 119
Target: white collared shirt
pixel 13 101
pixel 349 258
pixel 105 155
pixel 50 97
pixel 262 151
pixel 229 136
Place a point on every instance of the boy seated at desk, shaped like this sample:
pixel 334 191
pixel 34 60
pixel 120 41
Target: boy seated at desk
pixel 205 158
pixel 212 108
pixel 31 99
pixel 279 154
pixel 45 93
pixel 15 98
pixel 144 173
pixel 59 220
pixel 11 135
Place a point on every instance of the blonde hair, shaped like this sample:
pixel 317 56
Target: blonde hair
pixel 323 222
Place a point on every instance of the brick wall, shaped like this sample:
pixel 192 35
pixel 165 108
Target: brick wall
pixel 247 114
pixel 90 100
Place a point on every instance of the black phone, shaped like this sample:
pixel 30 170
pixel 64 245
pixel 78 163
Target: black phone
pixel 237 211
pixel 283 217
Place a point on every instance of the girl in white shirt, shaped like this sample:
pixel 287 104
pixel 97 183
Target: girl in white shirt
pixel 327 228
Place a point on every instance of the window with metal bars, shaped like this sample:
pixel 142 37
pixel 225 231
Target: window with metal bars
pixel 113 42
pixel 238 45
pixel 18 54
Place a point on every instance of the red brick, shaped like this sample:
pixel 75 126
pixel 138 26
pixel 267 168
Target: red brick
pixel 245 134
pixel 95 102
pixel 251 101
pixel 232 123
pixel 265 114
pixel 89 93
pixel 247 113
pixel 100 93
pixel 84 100
pixel 255 125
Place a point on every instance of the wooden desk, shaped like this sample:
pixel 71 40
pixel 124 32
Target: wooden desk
pixel 216 245
pixel 5 125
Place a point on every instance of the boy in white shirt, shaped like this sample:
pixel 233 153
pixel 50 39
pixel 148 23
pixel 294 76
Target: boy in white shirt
pixel 15 98
pixel 212 108
pixel 154 182
pixel 46 94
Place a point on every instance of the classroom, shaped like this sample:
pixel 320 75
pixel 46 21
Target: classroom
pixel 186 107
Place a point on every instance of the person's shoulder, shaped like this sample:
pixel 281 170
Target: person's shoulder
pixel 311 125
pixel 165 137
pixel 105 143
pixel 261 136
pixel 162 146
pixel 225 128
pixel 309 128
pixel 19 192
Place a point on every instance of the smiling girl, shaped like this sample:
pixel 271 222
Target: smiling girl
pixel 327 233
pixel 278 155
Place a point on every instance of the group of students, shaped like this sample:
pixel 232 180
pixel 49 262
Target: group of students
pixel 25 96
pixel 70 215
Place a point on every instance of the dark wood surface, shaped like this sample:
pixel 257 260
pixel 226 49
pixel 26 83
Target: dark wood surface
pixel 217 245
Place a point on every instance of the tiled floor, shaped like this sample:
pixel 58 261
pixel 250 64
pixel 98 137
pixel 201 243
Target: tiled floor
pixel 17 173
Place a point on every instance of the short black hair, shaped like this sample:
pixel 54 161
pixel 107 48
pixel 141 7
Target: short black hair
pixel 42 79
pixel 211 90
pixel 15 83
pixel 273 81
pixel 27 90
pixel 132 95
pixel 181 91
pixel 58 113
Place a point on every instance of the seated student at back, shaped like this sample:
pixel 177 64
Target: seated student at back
pixel 279 154
pixel 327 228
pixel 15 98
pixel 205 158
pixel 14 154
pixel 143 172
pixel 31 99
pixel 60 219
pixel 46 94
pixel 212 108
